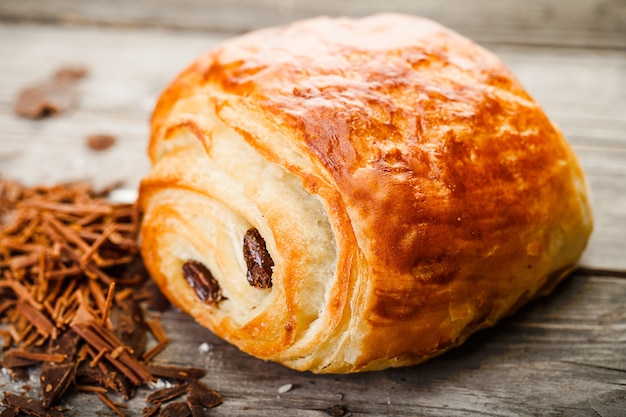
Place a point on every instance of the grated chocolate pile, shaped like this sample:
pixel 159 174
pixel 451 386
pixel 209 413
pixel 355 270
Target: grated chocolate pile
pixel 76 301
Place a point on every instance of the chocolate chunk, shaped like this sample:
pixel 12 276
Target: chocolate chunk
pixel 166 394
pixel 129 325
pixel 151 411
pixel 178 409
pixel 53 96
pixel 55 381
pixel 175 372
pixel 100 142
pixel 258 260
pixel 29 406
pixel 86 375
pixel 199 393
pixel 45 100
pixel 155 300
pixel 201 280
pixel 197 410
pixel 56 377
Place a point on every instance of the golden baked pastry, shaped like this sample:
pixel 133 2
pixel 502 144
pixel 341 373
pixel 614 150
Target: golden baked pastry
pixel 345 195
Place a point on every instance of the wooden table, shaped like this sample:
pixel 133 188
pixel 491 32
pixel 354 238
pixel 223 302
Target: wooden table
pixel 564 355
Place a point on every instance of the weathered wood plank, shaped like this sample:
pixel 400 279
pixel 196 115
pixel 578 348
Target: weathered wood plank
pixel 599 23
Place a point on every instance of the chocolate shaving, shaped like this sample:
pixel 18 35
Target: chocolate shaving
pixel 86 375
pixel 37 318
pixel 35 357
pixel 50 97
pixel 71 292
pixel 13 360
pixel 258 260
pixel 201 280
pixel 110 404
pixel 167 394
pixel 151 411
pixel 176 372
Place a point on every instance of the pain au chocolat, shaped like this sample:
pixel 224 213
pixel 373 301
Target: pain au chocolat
pixel 342 195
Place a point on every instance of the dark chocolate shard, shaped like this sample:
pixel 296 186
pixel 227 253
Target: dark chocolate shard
pixel 199 393
pixel 175 372
pixel 29 406
pixel 258 260
pixel 151 411
pixel 129 325
pixel 201 280
pixel 155 300
pixel 197 410
pixel 166 394
pixel 56 377
pixel 86 375
pixel 177 409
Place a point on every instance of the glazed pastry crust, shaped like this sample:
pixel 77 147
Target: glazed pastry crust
pixel 409 190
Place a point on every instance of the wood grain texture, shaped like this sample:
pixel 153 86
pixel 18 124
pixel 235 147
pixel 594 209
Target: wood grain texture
pixel 564 355
pixel 595 23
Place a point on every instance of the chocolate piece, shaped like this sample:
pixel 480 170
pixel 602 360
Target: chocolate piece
pixel 155 300
pixel 45 99
pixel 199 393
pixel 176 372
pixel 50 97
pixel 98 337
pixel 201 280
pixel 55 377
pixel 129 325
pixel 167 394
pixel 258 260
pixel 115 381
pixel 151 411
pixel 197 410
pixel 29 406
pixel 178 409
pixel 100 142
